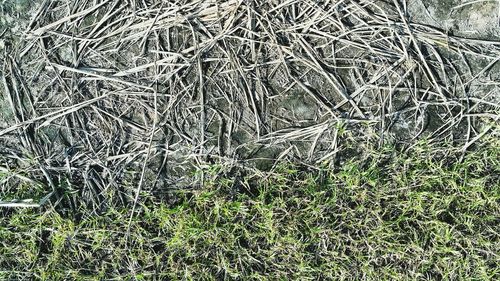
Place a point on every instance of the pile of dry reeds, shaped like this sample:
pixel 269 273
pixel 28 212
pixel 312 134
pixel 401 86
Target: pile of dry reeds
pixel 110 99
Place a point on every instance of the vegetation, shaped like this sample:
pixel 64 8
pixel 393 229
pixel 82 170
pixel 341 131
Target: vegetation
pixel 395 216
pixel 248 140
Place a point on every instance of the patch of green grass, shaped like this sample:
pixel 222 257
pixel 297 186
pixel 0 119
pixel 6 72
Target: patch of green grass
pixel 416 215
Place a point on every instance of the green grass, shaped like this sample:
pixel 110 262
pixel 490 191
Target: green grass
pixel 397 215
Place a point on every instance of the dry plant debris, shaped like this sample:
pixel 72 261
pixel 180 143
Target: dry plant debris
pixel 110 99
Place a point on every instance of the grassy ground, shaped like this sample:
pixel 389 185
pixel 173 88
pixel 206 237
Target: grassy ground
pixel 397 215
